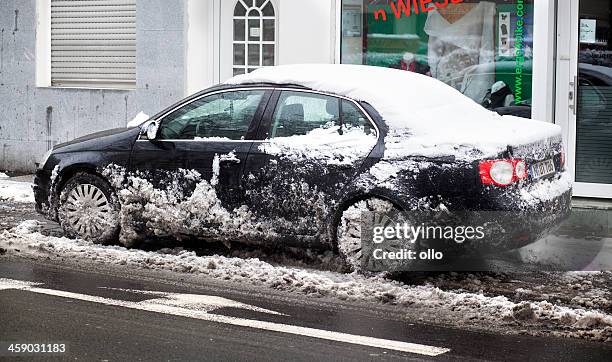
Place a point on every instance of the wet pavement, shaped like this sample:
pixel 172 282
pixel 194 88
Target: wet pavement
pixel 93 313
pixel 111 331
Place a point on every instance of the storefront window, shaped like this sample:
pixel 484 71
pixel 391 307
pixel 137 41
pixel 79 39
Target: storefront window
pixel 482 48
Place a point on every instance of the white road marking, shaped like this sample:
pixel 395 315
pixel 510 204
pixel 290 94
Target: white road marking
pixel 196 307
pixel 195 301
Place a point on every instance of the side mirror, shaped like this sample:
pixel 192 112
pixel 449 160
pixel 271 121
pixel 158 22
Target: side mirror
pixel 150 129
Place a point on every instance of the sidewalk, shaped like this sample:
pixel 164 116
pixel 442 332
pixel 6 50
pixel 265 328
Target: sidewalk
pixel 24 178
pixel 17 189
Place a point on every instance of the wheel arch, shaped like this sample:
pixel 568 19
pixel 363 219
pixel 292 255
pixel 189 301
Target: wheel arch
pixel 70 171
pixel 64 175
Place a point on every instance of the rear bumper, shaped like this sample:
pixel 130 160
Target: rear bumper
pixel 538 209
pixel 519 216
pixel 526 226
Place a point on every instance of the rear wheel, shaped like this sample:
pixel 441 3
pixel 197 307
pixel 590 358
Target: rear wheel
pixel 348 231
pixel 89 209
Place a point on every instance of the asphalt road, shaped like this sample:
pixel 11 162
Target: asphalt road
pixel 93 313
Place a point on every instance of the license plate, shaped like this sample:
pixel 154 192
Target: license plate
pixel 542 169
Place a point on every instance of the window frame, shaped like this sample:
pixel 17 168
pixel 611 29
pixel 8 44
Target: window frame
pixel 285 95
pixel 260 43
pixel 253 127
pixel 44 69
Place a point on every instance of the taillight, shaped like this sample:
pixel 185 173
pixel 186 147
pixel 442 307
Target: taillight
pixel 520 169
pixel 502 172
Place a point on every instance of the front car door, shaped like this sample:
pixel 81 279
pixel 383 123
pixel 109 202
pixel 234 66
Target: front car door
pixel 208 138
pixel 214 134
pixel 310 147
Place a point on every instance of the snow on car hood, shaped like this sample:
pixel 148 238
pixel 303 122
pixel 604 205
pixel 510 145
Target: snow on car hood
pixel 429 117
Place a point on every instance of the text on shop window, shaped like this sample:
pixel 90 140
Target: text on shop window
pixel 408 7
pixel 520 53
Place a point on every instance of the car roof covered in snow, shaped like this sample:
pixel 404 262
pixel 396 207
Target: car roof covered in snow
pixel 437 117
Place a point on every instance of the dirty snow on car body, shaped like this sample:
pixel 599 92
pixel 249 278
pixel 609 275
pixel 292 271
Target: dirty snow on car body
pixel 189 206
pixel 325 144
pixel 425 116
pixel 454 307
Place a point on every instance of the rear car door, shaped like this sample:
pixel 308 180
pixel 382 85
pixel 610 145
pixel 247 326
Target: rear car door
pixel 310 146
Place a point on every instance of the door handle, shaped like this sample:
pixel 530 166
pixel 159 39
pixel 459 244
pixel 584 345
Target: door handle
pixel 230 160
pixel 573 95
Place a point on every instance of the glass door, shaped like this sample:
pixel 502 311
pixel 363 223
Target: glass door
pixel 584 93
pixel 594 97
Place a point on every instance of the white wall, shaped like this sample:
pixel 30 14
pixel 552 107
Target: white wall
pixel 543 80
pixel 199 67
pixel 306 31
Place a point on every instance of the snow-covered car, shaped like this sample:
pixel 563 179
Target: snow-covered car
pixel 291 155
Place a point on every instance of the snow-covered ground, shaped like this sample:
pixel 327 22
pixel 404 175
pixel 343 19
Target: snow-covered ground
pixel 453 299
pixel 15 191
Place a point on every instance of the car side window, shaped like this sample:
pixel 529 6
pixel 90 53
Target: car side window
pixel 354 119
pixel 222 115
pixel 298 113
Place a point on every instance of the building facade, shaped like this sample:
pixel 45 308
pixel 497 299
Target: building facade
pixel 70 68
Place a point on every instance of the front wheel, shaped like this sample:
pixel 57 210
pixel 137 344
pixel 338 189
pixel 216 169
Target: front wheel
pixel 89 209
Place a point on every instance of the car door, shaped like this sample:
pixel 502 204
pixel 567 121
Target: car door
pixel 210 135
pixel 310 146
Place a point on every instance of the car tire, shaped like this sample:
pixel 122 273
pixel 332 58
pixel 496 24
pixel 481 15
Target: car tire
pixel 89 209
pixel 348 229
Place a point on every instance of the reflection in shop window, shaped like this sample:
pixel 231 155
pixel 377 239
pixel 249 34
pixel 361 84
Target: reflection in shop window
pixel 481 48
pixel 254 42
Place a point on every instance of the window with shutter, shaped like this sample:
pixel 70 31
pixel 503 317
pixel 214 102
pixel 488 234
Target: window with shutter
pixel 93 43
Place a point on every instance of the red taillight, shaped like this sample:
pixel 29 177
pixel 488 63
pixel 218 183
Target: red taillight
pixel 502 172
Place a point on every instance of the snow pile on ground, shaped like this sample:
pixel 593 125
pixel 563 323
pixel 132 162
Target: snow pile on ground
pixel 16 191
pixel 28 227
pixel 440 119
pixel 454 307
pixel 576 289
pixel 3 175
pixel 590 288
